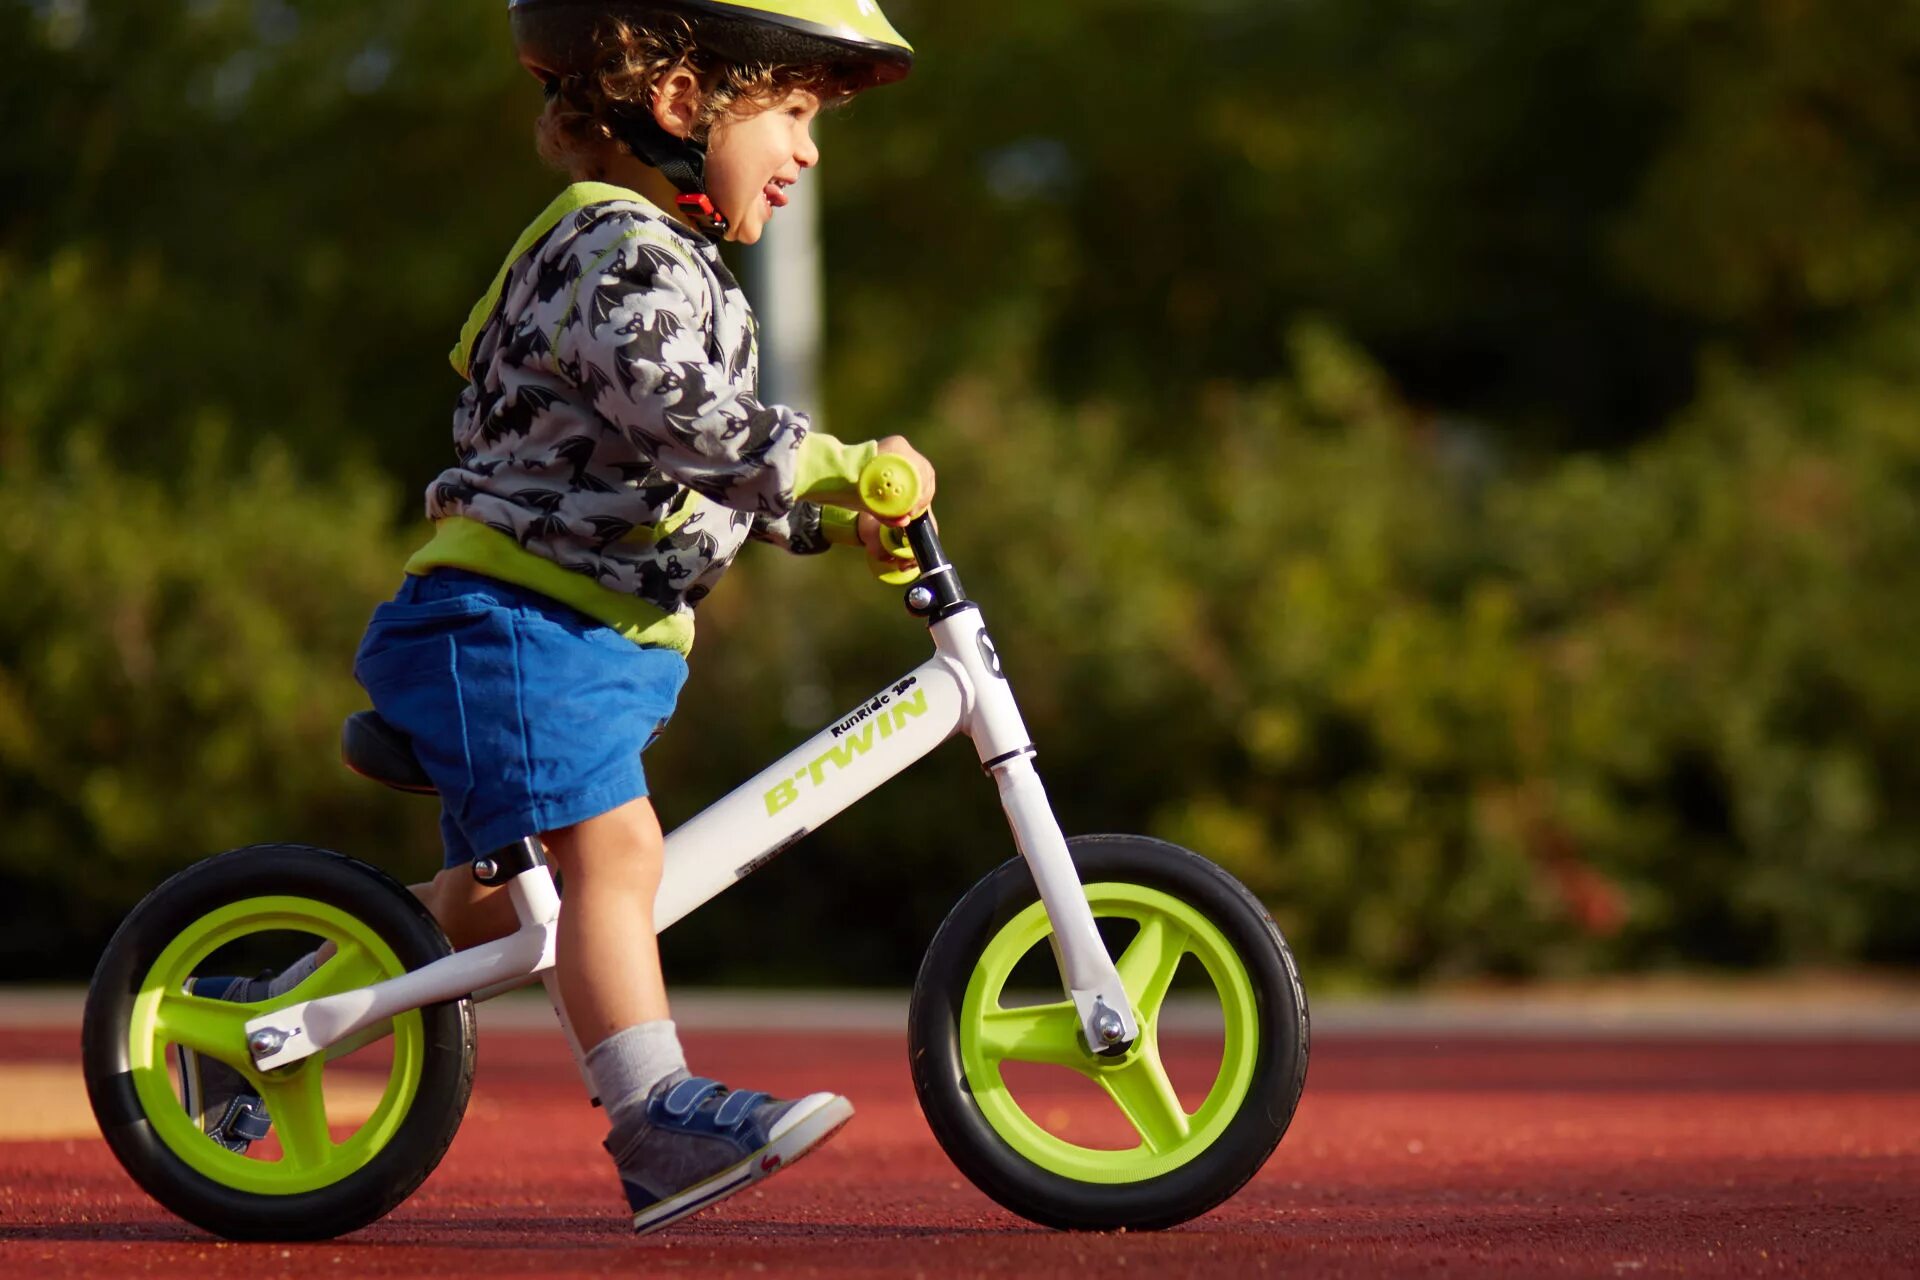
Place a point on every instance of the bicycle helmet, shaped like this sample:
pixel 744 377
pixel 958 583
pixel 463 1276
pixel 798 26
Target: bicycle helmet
pixel 557 39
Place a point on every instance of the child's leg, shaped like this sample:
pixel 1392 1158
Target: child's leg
pixel 470 912
pixel 607 954
pixel 679 1141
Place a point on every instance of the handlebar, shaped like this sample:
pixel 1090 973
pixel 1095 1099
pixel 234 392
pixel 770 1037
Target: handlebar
pixel 889 487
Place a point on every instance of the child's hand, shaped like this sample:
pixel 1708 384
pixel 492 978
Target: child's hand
pixel 922 468
pixel 880 557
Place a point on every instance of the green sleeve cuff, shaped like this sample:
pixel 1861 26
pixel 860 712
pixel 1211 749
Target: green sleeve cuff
pixel 840 526
pixel 828 472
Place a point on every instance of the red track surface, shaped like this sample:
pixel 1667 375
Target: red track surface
pixel 1462 1156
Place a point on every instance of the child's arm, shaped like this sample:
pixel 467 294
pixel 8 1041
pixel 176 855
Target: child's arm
pixel 636 343
pixel 800 532
pixel 808 529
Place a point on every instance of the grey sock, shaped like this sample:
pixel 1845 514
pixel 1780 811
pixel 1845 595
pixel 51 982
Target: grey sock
pixel 627 1064
pixel 294 974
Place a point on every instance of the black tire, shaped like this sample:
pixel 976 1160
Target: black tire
pixel 1047 1197
pixel 416 1146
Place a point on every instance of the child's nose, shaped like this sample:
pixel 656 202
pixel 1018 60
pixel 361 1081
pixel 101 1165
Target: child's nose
pixel 806 153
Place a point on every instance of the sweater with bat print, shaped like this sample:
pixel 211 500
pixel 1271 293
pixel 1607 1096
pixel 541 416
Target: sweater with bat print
pixel 612 451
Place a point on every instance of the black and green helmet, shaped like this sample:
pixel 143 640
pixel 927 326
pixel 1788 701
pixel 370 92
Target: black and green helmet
pixel 555 37
pixel 557 40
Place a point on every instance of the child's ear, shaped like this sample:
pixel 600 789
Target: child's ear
pixel 676 102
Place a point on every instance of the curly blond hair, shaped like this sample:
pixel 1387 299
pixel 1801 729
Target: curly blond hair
pixel 574 128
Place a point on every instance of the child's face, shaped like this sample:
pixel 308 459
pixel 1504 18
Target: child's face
pixel 752 158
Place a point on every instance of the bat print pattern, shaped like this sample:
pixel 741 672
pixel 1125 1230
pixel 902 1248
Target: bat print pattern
pixel 617 378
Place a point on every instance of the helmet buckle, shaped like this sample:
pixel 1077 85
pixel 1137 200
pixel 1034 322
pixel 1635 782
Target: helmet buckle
pixel 701 210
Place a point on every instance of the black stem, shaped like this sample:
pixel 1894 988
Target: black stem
pixel 948 595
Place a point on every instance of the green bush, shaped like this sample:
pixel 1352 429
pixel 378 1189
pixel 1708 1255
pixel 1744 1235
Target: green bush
pixel 1446 718
pixel 174 667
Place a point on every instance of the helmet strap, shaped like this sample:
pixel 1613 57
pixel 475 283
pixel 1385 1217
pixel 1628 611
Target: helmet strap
pixel 683 161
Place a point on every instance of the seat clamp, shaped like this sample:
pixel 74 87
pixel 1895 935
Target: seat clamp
pixel 505 863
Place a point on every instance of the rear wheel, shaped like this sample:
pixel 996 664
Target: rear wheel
pixel 1155 1158
pixel 355 1130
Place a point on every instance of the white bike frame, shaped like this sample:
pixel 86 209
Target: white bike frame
pixel 962 688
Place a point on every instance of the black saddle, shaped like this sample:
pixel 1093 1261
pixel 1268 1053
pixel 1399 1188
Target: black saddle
pixel 375 749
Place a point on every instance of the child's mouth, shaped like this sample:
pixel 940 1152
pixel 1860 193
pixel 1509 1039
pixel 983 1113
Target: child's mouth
pixel 776 198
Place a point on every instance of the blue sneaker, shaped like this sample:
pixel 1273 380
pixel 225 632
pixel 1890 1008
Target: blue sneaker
pixel 700 1142
pixel 219 1098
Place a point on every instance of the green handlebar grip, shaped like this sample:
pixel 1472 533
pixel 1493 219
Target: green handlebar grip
pixel 895 541
pixel 889 486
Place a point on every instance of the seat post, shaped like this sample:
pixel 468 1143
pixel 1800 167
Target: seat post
pixel 522 867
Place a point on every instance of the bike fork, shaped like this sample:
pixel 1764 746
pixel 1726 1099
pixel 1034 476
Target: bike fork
pixel 993 721
pixel 1093 984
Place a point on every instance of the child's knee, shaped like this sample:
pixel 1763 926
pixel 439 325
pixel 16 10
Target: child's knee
pixel 624 843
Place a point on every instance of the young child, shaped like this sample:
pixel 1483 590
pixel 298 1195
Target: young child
pixel 612 458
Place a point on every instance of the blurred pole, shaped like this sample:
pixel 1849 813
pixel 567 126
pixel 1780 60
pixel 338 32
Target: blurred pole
pixel 783 279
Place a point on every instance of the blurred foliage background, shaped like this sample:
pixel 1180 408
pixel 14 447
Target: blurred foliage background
pixel 1453 463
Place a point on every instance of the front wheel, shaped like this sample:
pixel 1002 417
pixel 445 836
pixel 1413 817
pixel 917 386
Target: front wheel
pixel 354 1130
pixel 981 1050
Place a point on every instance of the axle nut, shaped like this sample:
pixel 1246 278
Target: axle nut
pixel 266 1041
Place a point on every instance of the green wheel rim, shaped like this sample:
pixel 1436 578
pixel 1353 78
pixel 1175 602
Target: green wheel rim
pixel 164 1014
pixel 991 1034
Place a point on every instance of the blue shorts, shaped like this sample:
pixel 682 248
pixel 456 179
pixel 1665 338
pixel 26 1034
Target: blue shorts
pixel 527 715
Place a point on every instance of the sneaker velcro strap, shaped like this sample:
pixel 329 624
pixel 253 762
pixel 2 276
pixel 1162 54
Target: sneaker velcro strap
pixel 699 1105
pixel 685 1097
pixel 247 1118
pixel 737 1107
